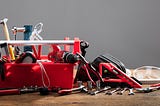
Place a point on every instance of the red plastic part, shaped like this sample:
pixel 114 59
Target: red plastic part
pixel 9 92
pixel 120 74
pixel 66 47
pixel 155 85
pixel 77 47
pixel 39 51
pixel 51 55
pixel 61 75
pixel 35 52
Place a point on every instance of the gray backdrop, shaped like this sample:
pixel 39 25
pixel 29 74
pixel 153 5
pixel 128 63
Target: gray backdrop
pixel 127 29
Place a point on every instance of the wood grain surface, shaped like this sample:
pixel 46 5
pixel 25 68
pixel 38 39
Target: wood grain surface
pixel 82 99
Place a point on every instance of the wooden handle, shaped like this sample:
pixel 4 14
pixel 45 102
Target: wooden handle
pixel 5 28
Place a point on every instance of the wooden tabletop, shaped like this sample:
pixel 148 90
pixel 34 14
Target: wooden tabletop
pixel 82 99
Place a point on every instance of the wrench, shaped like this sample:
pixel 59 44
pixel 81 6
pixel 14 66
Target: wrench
pixel 67 91
pixel 122 91
pixel 89 86
pixel 98 88
pixel 101 90
pixel 112 92
pixel 131 91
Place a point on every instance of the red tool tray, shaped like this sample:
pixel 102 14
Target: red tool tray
pixel 61 75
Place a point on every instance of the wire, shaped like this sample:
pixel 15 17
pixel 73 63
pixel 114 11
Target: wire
pixel 87 72
pixel 87 67
pixel 43 71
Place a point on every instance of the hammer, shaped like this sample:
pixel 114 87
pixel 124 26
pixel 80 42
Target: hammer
pixel 5 28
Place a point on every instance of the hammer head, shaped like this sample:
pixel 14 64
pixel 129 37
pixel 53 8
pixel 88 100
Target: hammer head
pixel 3 21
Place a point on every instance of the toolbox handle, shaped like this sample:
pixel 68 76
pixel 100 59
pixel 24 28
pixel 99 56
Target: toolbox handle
pixel 43 42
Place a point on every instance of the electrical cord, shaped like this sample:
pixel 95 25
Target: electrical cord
pixel 43 71
pixel 88 67
pixel 87 72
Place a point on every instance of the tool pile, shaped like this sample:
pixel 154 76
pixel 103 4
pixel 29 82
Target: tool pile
pixel 96 90
pixel 64 70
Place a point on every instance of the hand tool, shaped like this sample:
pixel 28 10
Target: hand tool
pixel 25 57
pixel 17 50
pixel 85 90
pixel 98 85
pixel 148 89
pixel 122 91
pixel 30 35
pixel 98 88
pixel 112 92
pixel 101 90
pixel 27 31
pixel 89 86
pixel 5 28
pixel 131 91
pixel 67 91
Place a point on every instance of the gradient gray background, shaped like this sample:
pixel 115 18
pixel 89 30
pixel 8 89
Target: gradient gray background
pixel 127 29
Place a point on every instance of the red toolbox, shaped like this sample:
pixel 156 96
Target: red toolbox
pixel 60 75
pixel 42 73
